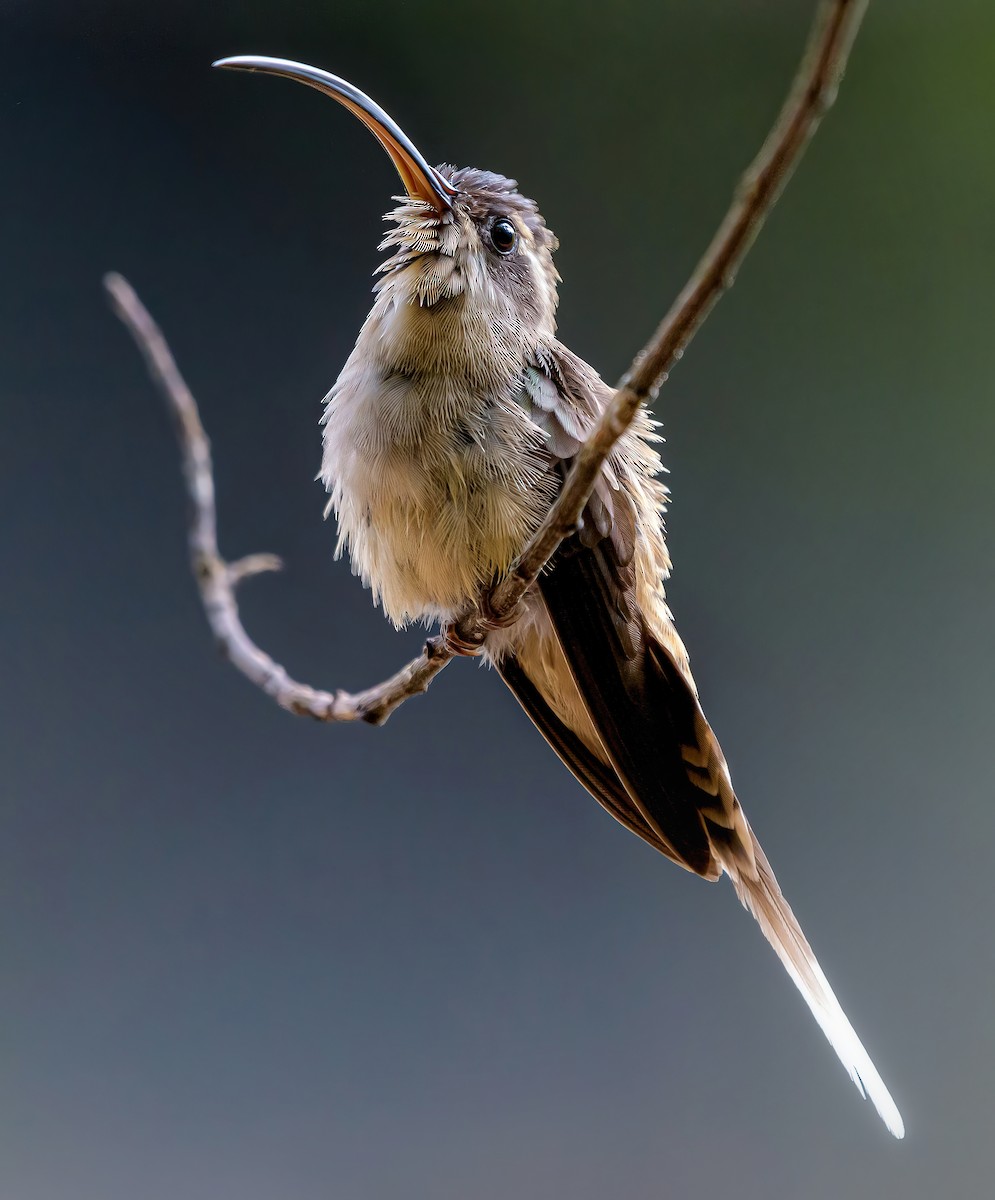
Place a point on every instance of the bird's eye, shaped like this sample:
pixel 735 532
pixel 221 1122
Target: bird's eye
pixel 504 236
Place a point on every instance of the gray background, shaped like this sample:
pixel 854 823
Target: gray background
pixel 246 956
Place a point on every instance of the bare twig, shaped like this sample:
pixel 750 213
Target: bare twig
pixel 217 579
pixel 812 93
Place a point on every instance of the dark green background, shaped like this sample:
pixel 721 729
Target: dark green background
pixel 244 956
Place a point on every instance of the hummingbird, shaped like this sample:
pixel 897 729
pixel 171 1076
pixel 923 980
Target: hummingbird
pixel 445 440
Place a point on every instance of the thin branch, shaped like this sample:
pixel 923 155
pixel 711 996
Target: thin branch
pixel 811 95
pixel 217 579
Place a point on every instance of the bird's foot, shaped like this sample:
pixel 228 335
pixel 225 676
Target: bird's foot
pixel 466 637
pixel 495 621
pixel 460 642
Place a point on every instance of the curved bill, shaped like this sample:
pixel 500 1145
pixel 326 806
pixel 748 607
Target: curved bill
pixel 421 181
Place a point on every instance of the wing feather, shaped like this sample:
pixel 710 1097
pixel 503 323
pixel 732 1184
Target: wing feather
pixel 598 777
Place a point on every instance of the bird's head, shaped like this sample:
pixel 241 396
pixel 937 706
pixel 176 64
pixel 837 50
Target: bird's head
pixel 461 237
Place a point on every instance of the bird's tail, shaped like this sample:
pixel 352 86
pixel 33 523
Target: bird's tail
pixel 762 897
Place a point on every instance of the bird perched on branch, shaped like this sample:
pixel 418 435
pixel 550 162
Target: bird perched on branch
pixel 446 438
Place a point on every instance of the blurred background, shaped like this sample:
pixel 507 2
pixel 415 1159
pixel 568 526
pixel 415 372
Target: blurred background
pixel 242 955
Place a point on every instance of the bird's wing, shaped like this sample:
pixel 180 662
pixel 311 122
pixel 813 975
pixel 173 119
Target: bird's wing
pixel 598 777
pixel 642 705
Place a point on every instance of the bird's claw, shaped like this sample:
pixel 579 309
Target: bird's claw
pixel 457 644
pixel 492 620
